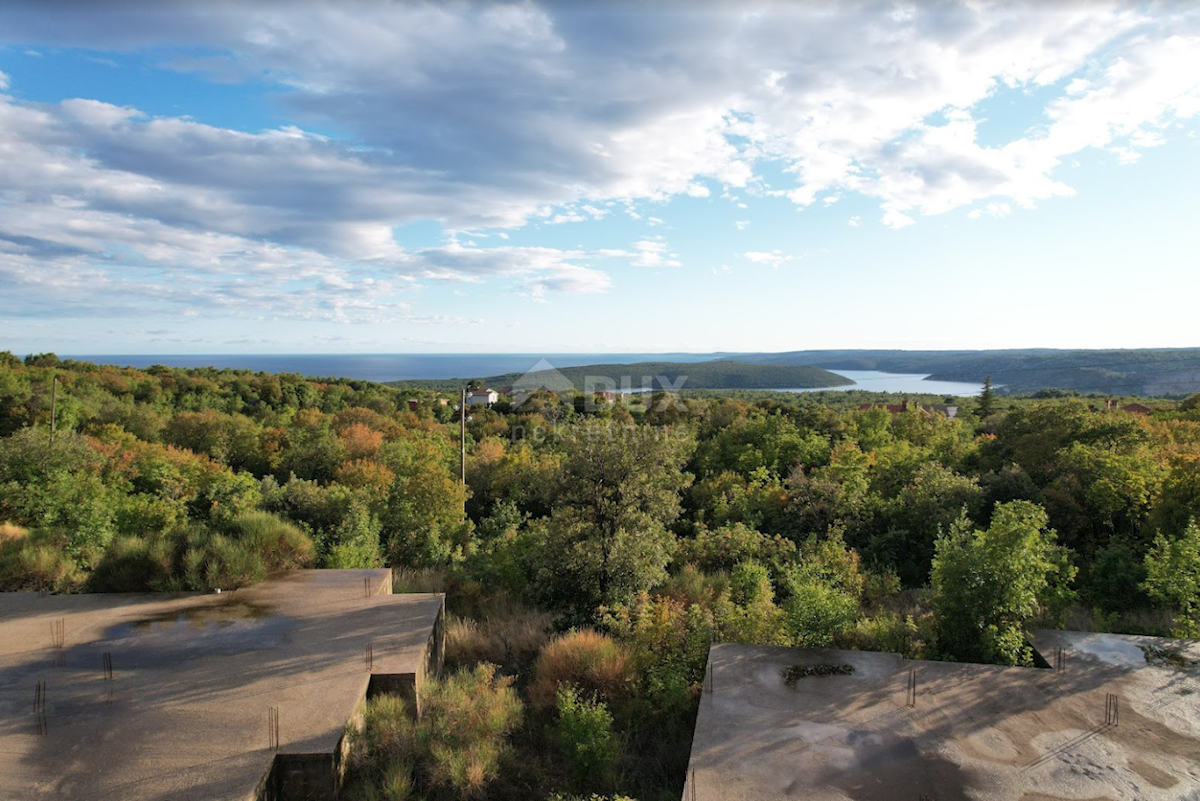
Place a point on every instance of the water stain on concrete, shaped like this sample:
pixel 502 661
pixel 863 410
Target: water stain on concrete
pixel 223 627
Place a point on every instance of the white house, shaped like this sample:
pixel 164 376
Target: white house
pixel 482 397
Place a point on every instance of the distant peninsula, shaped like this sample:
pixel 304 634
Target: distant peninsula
pixel 716 374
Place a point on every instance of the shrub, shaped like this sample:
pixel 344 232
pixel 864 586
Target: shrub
pixel 593 662
pixel 36 561
pixel 890 632
pixel 281 545
pixel 722 548
pixel 461 734
pixel 134 564
pixel 382 753
pixel 669 641
pixel 453 752
pixel 816 613
pixel 256 544
pixel 585 737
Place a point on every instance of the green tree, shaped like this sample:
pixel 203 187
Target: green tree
pixel 423 520
pixel 986 584
pixel 1173 577
pixel 985 404
pixel 607 537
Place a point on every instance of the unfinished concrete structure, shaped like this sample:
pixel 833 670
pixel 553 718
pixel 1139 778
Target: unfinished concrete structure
pixel 1113 717
pixel 237 695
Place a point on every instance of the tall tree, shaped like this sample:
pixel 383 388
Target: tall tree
pixel 986 584
pixel 986 402
pixel 608 536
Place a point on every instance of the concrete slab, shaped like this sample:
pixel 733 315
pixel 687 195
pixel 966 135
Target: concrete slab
pixel 968 732
pixel 197 681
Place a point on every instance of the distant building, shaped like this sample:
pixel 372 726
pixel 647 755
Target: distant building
pixel 482 397
pixel 1136 408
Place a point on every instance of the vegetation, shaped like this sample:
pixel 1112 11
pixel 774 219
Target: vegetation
pixel 597 549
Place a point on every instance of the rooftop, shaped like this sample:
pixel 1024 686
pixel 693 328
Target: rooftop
pixel 897 729
pixel 202 687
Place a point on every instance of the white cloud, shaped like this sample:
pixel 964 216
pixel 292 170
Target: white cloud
pixel 488 116
pixel 772 258
pixel 654 253
pixel 741 225
pixel 995 210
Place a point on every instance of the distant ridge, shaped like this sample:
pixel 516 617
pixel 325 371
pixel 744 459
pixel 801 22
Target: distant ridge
pixel 1148 372
pixel 716 374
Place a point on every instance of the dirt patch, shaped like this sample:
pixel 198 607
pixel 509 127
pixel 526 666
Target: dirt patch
pixel 1155 776
pixel 1044 797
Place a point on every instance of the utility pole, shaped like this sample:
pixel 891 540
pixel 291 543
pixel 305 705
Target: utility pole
pixel 462 438
pixel 53 408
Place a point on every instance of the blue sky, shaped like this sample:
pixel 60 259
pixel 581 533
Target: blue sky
pixel 562 177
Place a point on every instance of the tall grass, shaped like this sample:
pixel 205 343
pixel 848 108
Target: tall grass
pixel 453 752
pixel 593 662
pixel 36 561
pixel 511 640
pixel 423 579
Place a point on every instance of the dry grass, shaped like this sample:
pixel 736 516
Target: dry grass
pixel 592 661
pixel 508 640
pixel 11 533
pixel 425 579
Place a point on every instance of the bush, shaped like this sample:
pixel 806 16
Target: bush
pixel 817 614
pixel 134 564
pixel 453 752
pixel 281 545
pixel 891 633
pixel 382 752
pixel 669 641
pixel 724 547
pixel 593 662
pixel 36 561
pixel 257 543
pixel 461 734
pixel 585 737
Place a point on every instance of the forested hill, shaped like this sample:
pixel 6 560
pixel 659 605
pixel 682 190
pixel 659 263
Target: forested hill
pixel 718 374
pixel 1149 372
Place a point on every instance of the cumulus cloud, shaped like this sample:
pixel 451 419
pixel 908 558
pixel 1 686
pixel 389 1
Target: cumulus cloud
pixel 488 116
pixel 654 253
pixel 772 258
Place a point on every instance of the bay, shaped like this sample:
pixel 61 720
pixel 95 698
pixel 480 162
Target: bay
pixel 916 383
pixel 411 366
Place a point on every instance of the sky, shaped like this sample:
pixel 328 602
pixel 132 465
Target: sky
pixel 373 177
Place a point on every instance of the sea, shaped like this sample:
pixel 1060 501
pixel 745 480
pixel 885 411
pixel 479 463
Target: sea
pixel 411 366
